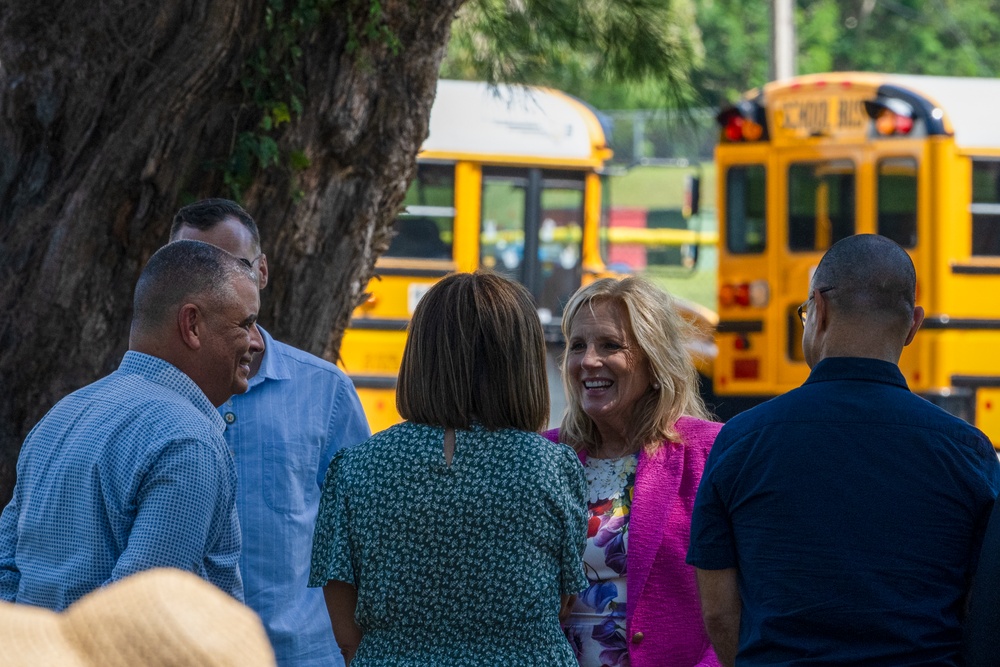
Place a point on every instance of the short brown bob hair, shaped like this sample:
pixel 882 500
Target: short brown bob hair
pixel 475 352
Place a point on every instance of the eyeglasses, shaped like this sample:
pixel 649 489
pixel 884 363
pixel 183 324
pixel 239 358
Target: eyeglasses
pixel 803 310
pixel 250 262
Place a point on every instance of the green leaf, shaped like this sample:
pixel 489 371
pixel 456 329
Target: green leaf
pixel 298 160
pixel 267 152
pixel 280 114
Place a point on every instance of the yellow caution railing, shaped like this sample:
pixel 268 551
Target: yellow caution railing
pixel 657 236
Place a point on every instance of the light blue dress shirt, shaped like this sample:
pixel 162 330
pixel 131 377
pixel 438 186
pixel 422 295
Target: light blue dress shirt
pixel 299 411
pixel 126 474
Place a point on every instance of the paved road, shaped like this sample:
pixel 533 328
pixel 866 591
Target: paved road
pixel 557 399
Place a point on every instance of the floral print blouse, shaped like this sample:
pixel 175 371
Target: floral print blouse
pixel 596 627
pixel 458 564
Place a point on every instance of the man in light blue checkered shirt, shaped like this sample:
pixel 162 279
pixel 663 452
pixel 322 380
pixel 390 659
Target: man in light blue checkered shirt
pixel 299 411
pixel 132 472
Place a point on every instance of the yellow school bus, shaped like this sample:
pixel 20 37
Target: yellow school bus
pixel 807 161
pixel 509 179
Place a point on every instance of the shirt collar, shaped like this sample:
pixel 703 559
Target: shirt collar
pixel 167 375
pixel 272 365
pixel 857 368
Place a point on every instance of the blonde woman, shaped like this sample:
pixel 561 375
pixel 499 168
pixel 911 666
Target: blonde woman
pixel 636 419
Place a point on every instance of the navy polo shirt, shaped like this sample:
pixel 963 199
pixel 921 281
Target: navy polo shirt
pixel 853 511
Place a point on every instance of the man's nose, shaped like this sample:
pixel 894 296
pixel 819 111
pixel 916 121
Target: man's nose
pixel 256 340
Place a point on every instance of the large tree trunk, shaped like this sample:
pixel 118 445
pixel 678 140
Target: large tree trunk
pixel 111 117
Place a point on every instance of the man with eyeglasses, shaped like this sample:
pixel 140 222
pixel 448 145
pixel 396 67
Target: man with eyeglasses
pixel 840 524
pixel 297 413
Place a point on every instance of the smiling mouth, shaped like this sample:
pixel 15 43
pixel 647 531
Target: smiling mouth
pixel 596 384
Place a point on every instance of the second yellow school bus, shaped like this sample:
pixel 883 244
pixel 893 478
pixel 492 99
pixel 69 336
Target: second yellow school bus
pixel 807 161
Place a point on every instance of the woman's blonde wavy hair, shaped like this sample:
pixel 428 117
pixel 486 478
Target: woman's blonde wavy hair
pixel 659 330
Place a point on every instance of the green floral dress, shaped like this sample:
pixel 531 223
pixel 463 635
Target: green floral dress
pixel 455 565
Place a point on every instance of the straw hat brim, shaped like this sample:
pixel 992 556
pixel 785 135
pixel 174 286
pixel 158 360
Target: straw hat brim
pixel 155 618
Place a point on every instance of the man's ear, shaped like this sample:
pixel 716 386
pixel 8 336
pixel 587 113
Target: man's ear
pixel 820 310
pixel 190 324
pixel 918 319
pixel 262 272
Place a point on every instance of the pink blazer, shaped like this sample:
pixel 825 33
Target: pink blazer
pixel 663 614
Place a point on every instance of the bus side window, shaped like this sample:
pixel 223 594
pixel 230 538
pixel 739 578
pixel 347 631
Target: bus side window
pixel 897 200
pixel 426 227
pixel 746 230
pixel 985 207
pixel 418 238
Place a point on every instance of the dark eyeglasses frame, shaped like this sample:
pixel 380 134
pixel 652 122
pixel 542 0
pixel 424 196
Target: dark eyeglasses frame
pixel 250 262
pixel 803 310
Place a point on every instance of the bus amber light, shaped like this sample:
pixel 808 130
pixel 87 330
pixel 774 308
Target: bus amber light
pixel 727 296
pixel 885 124
pixel 752 131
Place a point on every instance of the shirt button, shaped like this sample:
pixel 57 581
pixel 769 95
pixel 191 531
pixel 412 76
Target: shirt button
pixel 637 638
pixel 230 417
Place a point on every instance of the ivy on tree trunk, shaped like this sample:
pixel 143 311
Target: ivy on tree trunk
pixel 114 114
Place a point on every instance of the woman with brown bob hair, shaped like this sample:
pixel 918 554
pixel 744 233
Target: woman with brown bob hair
pixel 636 419
pixel 455 538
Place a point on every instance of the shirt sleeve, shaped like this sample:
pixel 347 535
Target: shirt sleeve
pixel 983 478
pixel 712 545
pixel 185 516
pixel 331 551
pixel 982 641
pixel 571 510
pixel 348 425
pixel 10 576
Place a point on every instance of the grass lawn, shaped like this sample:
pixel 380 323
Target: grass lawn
pixel 662 187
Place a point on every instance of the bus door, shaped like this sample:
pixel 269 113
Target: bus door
pixel 532 231
pixel 820 207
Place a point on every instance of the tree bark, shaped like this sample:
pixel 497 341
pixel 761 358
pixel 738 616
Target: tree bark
pixel 111 115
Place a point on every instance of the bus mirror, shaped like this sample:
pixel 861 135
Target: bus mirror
pixel 692 195
pixel 690 256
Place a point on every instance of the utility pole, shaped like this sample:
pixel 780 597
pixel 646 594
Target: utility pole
pixel 783 46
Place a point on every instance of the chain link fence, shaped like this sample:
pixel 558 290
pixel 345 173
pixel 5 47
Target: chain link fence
pixel 670 138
